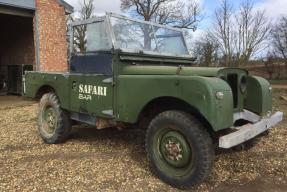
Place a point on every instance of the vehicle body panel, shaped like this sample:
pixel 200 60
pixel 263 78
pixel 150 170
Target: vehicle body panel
pixel 259 98
pixel 136 91
pixel 59 82
pixel 116 83
pixel 89 94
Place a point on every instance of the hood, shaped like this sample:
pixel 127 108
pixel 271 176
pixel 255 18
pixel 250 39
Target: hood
pixel 171 70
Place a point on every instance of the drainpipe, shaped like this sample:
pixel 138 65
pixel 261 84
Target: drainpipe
pixel 38 64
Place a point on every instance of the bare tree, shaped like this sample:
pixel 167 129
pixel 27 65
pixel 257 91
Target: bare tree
pixel 176 13
pixel 252 29
pixel 240 34
pixel 270 67
pixel 86 11
pixel 172 12
pixel 223 32
pixel 206 51
pixel 279 39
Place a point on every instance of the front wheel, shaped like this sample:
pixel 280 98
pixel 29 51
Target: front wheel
pixel 179 149
pixel 54 124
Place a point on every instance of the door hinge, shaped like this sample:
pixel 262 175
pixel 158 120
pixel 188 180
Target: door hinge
pixel 109 81
pixel 108 112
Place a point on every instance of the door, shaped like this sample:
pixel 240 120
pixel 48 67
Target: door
pixel 91 78
pixel 92 94
pixel 91 83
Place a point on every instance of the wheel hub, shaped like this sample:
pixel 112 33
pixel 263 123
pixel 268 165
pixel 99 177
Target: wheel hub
pixel 175 149
pixel 50 118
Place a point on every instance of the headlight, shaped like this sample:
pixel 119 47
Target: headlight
pixel 219 95
pixel 243 84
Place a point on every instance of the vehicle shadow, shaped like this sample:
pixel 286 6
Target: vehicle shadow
pixel 129 141
pixel 132 141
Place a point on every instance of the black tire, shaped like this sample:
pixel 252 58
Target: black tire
pixel 179 149
pixel 54 124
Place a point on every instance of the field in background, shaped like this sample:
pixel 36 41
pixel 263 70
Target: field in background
pixel 276 72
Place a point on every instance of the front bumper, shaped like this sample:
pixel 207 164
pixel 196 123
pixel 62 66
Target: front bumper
pixel 249 131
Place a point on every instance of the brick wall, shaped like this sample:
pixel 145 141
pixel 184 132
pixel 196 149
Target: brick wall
pixel 52 35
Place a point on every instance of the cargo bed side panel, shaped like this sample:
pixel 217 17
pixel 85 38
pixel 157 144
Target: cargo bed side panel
pixel 35 82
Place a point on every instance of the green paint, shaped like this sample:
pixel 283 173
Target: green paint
pixel 136 91
pixel 136 86
pixel 175 149
pixel 169 70
pixel 140 78
pixel 259 98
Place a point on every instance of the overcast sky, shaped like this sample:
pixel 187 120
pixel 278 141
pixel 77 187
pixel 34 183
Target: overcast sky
pixel 274 8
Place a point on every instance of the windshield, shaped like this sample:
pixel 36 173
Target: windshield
pixel 136 36
pixel 90 37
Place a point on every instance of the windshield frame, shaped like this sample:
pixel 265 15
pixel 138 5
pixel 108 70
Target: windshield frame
pixel 87 22
pixel 112 38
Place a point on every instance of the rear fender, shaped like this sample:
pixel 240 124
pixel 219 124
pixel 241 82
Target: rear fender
pixel 37 83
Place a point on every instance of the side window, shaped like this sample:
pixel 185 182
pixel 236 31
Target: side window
pixel 97 38
pixel 90 38
pixel 91 49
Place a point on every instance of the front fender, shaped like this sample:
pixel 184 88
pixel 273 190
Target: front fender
pixel 200 92
pixel 134 92
pixel 259 95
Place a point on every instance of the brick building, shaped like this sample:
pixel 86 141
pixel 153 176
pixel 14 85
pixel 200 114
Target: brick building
pixel 32 37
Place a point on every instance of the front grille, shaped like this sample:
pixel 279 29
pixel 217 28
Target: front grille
pixel 232 80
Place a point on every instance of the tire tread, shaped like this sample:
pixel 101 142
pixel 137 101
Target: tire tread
pixel 204 144
pixel 63 129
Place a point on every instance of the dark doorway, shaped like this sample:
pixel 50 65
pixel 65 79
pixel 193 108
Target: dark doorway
pixel 17 52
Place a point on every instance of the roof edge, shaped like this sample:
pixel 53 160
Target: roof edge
pixel 17 6
pixel 69 8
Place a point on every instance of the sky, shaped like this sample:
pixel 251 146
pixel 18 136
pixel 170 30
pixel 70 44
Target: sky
pixel 273 8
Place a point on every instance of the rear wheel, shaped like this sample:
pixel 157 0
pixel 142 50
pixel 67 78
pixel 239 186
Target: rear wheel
pixel 179 149
pixel 54 124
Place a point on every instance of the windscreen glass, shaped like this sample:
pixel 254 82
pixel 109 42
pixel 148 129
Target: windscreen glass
pixel 90 38
pixel 137 36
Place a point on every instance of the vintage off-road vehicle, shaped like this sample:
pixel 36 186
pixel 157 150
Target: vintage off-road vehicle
pixel 124 72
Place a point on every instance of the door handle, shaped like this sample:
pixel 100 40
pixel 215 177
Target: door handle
pixel 74 85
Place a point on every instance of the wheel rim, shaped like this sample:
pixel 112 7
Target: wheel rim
pixel 49 119
pixel 173 152
pixel 175 149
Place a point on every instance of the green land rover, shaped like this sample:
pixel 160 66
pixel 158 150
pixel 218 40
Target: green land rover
pixel 129 73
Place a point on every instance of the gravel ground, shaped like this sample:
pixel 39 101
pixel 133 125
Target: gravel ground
pixel 112 160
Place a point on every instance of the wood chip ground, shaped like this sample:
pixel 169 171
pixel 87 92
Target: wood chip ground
pixel 112 160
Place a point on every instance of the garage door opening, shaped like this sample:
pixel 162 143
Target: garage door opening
pixel 17 52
